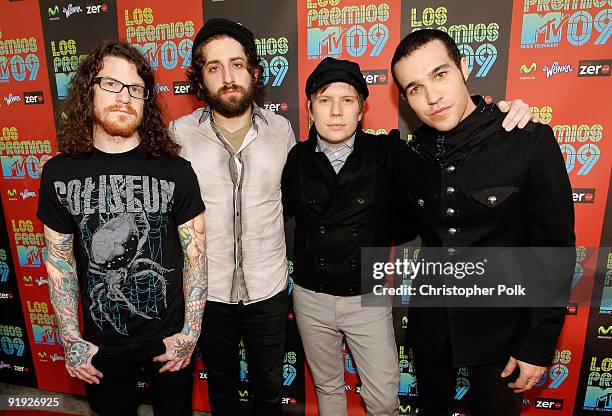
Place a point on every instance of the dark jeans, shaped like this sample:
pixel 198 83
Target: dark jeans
pixel 263 327
pixel 117 392
pixel 489 393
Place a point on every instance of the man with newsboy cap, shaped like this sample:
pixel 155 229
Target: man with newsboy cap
pixel 338 186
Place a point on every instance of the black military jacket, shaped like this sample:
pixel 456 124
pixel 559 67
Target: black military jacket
pixel 478 185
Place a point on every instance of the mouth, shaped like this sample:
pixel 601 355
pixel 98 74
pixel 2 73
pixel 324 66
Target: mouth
pixel 440 112
pixel 336 126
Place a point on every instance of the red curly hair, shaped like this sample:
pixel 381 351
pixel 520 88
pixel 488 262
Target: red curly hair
pixel 75 131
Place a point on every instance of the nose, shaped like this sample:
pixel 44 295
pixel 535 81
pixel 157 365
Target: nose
pixel 228 77
pixel 432 95
pixel 336 108
pixel 123 96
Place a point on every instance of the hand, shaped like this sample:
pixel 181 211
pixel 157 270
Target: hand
pixel 78 354
pixel 518 114
pixel 179 348
pixel 529 375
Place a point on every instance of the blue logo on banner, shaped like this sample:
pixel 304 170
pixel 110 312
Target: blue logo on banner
pixel 16 167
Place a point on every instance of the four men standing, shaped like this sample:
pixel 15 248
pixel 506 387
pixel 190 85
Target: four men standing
pixel 338 185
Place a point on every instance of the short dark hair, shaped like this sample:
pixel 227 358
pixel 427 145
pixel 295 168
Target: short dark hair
pixel 194 72
pixel 418 39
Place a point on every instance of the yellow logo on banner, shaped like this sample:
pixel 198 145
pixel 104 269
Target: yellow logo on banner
pixel 605 331
pixel 11 193
pixel 53 11
pixel 42 355
pixel 527 70
pixel 27 279
pixel 405 409
pixel 243 393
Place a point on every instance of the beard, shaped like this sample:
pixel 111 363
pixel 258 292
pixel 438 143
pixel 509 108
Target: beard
pixel 125 127
pixel 231 106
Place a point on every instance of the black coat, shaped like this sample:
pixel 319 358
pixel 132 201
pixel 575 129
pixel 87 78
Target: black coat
pixel 338 214
pixel 481 186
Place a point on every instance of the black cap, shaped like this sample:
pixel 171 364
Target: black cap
pixel 336 70
pixel 225 26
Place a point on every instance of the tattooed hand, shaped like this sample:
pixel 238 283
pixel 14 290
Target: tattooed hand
pixel 78 355
pixel 179 348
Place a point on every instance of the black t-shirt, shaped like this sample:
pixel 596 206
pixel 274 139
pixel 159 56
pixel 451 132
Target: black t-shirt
pixel 124 211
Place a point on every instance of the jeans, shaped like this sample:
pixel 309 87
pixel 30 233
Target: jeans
pixel 117 392
pixel 263 327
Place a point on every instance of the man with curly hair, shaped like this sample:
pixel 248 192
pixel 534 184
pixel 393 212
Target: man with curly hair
pixel 139 256
pixel 238 151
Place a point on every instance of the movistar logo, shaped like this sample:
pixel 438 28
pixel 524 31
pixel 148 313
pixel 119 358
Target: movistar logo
pixel 605 331
pixel 528 69
pixel 53 11
pixel 243 393
pixel 405 409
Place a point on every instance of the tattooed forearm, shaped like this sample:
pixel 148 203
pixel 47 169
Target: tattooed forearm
pixel 195 276
pixel 63 284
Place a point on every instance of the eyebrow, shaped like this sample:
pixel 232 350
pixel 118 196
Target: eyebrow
pixel 218 61
pixel 430 73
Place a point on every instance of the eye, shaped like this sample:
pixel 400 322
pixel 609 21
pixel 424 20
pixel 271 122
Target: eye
pixel 237 65
pixel 213 68
pixel 323 100
pixel 415 90
pixel 109 82
pixel 349 100
pixel 441 75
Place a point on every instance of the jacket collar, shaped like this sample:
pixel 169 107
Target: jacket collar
pixel 466 138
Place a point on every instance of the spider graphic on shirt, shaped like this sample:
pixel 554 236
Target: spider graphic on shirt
pixel 117 265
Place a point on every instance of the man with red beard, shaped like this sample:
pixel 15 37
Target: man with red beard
pixel 238 151
pixel 139 253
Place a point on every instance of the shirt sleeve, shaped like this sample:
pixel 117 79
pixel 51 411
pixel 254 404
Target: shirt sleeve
pixel 51 211
pixel 550 223
pixel 188 201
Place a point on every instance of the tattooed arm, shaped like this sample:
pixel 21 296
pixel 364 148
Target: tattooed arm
pixel 64 293
pixel 179 347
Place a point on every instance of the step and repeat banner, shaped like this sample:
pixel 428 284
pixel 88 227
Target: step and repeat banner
pixel 554 54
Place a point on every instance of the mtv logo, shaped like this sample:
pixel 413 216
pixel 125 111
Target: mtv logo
pixel 44 334
pixel 16 167
pixel 546 29
pixel 30 256
pixel 324 42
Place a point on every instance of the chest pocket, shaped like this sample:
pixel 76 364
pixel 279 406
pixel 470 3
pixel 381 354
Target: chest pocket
pixel 494 197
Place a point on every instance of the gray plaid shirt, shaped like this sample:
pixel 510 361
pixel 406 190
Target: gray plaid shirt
pixel 336 155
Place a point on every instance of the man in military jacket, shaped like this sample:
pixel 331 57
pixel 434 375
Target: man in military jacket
pixel 467 182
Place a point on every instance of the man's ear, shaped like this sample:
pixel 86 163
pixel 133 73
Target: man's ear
pixel 257 74
pixel 465 70
pixel 310 110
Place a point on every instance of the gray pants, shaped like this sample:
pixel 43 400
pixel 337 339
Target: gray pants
pixel 322 321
